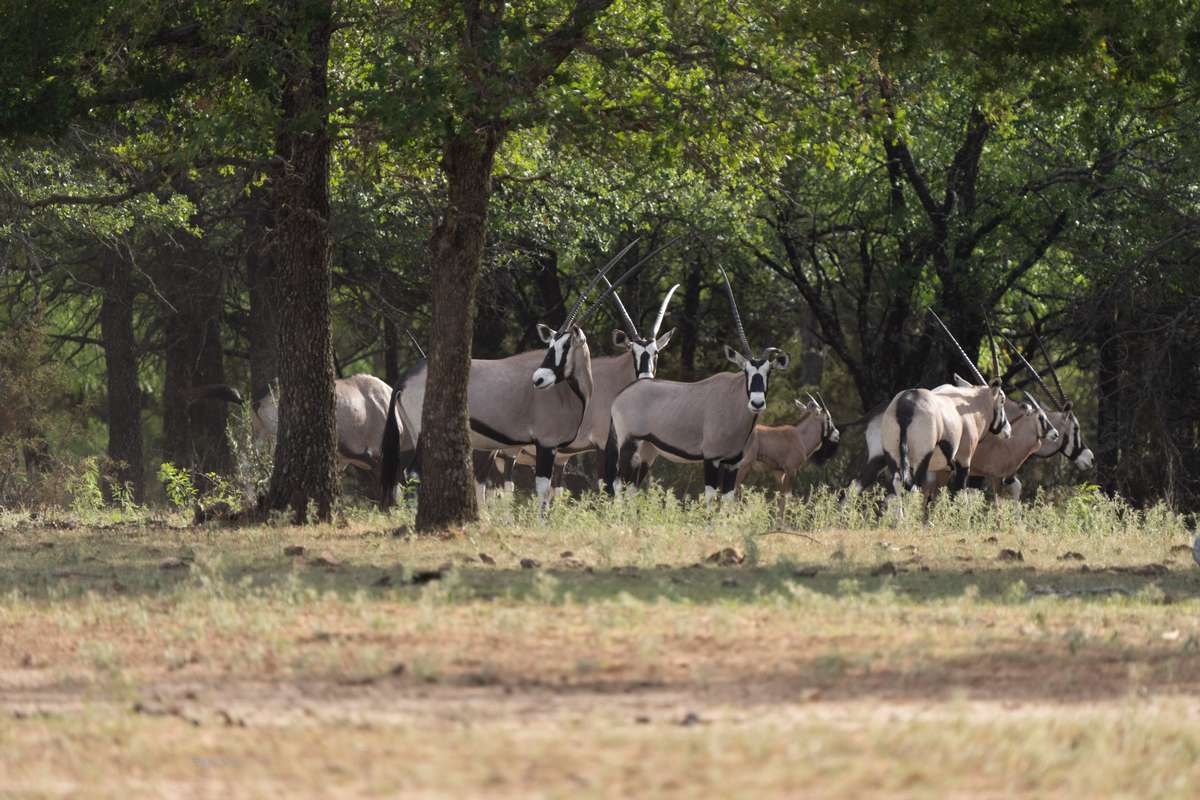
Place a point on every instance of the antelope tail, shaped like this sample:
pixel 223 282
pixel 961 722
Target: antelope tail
pixel 389 468
pixel 904 417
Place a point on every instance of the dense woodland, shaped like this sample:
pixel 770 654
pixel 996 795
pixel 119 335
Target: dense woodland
pixel 247 192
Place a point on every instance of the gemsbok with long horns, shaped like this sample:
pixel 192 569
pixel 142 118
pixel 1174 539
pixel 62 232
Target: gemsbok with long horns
pixel 785 449
pixel 708 421
pixel 1000 469
pixel 536 398
pixel 923 432
pixel 610 375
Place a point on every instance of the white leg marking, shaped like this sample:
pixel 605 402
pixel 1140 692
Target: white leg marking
pixel 728 497
pixel 509 486
pixel 543 490
pixel 709 493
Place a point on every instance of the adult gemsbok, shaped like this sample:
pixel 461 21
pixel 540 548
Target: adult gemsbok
pixel 785 449
pixel 610 375
pixel 936 431
pixel 534 398
pixel 709 421
pixel 1000 468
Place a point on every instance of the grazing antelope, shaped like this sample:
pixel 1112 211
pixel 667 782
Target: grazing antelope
pixel 610 375
pixel 709 421
pixel 935 431
pixel 536 398
pixel 786 448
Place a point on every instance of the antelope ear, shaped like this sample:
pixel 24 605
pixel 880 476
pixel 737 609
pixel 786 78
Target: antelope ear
pixel 662 341
pixel 735 356
pixel 620 338
pixel 961 382
pixel 1067 408
pixel 780 360
pixel 577 332
pixel 995 383
pixel 545 333
pixel 800 404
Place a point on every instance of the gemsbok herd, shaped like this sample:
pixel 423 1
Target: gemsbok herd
pixel 542 407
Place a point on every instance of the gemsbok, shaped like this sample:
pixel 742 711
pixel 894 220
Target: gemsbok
pixel 536 398
pixel 785 449
pixel 923 432
pixel 707 421
pixel 610 375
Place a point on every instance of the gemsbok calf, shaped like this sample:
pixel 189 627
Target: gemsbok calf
pixel 785 449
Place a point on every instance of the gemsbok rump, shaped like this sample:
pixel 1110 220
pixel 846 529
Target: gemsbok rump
pixel 923 432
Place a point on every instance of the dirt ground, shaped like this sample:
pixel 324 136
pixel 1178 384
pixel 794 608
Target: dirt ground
pixel 162 662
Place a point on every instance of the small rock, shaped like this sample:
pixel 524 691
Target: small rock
pixel 565 554
pixel 530 563
pixel 173 563
pixel 1071 555
pixel 572 563
pixel 326 560
pixel 729 583
pixel 1007 554
pixel 400 532
pixel 643 720
pixel 485 558
pixel 886 568
pixel 294 550
pixel 690 718
pixel 991 540
pixel 805 572
pixel 727 557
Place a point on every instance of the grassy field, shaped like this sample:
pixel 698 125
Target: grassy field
pixel 1050 649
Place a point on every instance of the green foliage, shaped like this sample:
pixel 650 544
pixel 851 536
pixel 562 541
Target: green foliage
pixel 177 483
pixel 83 487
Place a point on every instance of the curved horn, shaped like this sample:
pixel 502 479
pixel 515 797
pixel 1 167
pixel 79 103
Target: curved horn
pixel 821 400
pixel 1032 372
pixel 662 312
pixel 737 318
pixel 624 277
pixel 961 352
pixel 1053 371
pixel 624 314
pixel 592 285
pixel 814 400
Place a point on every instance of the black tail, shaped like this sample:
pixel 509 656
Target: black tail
pixel 215 391
pixel 610 460
pixel 389 469
pixel 904 417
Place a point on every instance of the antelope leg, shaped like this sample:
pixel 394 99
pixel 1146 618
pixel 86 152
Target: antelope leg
pixel 712 479
pixel 728 482
pixel 543 470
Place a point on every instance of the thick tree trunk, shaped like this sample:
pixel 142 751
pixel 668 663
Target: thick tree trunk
pixel 263 326
pixel 194 429
pixel 124 394
pixel 447 495
pixel 305 447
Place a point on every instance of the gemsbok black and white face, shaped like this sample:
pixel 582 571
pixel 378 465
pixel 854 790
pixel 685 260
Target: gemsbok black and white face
pixel 564 351
pixel 999 426
pixel 758 373
pixel 1071 444
pixel 644 351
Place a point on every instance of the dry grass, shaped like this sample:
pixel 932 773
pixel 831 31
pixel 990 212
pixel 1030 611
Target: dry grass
pixel 140 657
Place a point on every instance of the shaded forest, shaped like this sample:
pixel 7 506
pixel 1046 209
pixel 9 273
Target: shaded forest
pixel 280 194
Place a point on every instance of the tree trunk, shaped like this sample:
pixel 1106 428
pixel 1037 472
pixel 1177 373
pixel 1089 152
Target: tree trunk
pixel 447 495
pixel 263 326
pixel 391 353
pixel 124 394
pixel 689 325
pixel 305 448
pixel 194 429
